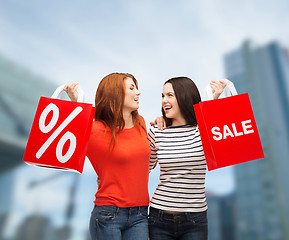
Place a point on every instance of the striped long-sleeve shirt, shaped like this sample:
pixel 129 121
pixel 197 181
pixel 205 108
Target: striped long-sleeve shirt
pixel 179 152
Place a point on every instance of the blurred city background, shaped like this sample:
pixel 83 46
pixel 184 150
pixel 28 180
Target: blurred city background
pixel 45 44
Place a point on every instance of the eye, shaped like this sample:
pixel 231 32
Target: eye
pixel 163 96
pixel 171 95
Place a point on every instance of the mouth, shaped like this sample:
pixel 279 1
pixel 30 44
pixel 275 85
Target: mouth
pixel 167 108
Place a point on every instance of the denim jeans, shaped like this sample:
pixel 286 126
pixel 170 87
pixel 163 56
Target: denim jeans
pixel 181 226
pixel 114 223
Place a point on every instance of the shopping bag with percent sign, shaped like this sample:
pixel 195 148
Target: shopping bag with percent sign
pixel 60 133
pixel 228 129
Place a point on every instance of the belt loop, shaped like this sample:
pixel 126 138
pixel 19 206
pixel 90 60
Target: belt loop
pixel 160 214
pixel 187 216
pixel 139 210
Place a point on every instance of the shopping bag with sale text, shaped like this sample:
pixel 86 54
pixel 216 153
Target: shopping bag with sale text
pixel 228 129
pixel 60 133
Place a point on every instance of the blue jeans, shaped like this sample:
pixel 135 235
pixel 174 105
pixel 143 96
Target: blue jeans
pixel 114 223
pixel 181 226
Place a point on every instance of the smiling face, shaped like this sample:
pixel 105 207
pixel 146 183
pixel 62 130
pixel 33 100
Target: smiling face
pixel 131 99
pixel 170 105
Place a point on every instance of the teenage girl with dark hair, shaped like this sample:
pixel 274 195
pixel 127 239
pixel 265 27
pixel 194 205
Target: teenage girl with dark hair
pixel 178 208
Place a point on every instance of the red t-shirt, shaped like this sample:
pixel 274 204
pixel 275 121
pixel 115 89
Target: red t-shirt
pixel 124 172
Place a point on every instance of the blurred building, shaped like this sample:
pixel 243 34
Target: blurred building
pixel 262 191
pixel 35 227
pixel 6 200
pixel 221 216
pixel 20 91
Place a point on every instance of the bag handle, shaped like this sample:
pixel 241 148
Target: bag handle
pixel 230 90
pixel 59 90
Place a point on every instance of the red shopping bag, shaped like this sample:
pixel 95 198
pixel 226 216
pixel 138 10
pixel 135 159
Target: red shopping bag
pixel 228 130
pixel 60 133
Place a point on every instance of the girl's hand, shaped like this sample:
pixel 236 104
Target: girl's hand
pixel 160 122
pixel 71 90
pixel 217 87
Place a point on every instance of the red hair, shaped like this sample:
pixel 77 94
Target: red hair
pixel 109 100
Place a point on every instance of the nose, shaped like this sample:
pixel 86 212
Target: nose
pixel 137 92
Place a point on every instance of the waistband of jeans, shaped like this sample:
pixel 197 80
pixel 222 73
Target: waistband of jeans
pixel 123 209
pixel 163 214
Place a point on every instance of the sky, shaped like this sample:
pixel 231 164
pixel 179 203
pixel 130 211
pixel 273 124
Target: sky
pixel 83 41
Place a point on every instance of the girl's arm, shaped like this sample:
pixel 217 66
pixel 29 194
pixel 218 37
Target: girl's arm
pixel 154 156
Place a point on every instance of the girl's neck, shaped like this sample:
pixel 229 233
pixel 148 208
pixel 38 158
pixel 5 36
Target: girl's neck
pixel 178 122
pixel 127 117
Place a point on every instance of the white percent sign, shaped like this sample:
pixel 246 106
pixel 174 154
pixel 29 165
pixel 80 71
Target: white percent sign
pixel 67 136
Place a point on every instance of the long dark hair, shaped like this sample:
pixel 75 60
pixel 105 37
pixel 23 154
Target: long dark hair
pixel 187 95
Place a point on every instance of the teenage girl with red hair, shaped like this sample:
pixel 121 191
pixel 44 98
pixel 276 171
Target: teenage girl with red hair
pixel 122 199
